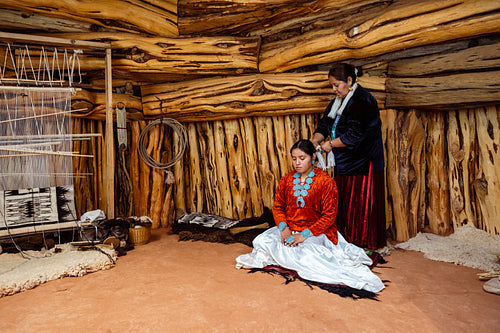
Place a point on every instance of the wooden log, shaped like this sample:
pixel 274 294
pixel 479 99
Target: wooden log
pixel 15 20
pixel 144 174
pixel 241 96
pixel 438 207
pixel 219 55
pixel 221 161
pixel 280 147
pixel 405 153
pixel 242 206
pixel 388 206
pixel 487 178
pixel 257 17
pixel 95 103
pixel 211 192
pixel 157 188
pixel 179 186
pixel 135 160
pixel 444 92
pixel 195 186
pixel 268 167
pixel 157 18
pixel 483 57
pixel 461 142
pixel 166 218
pixel 101 153
pixel 399 26
pixel 251 160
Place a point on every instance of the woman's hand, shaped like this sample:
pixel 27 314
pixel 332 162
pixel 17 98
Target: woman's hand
pixel 326 146
pixel 285 233
pixel 297 239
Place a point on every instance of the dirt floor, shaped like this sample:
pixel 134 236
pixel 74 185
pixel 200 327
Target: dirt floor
pixel 172 286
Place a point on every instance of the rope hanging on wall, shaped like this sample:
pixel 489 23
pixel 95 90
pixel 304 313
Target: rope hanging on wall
pixel 181 132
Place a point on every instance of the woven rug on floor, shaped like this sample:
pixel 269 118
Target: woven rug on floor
pixel 340 290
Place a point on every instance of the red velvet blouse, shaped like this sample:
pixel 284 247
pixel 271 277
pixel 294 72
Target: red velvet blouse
pixel 319 211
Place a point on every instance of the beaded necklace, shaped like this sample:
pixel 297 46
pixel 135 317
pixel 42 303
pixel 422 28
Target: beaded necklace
pixel 301 190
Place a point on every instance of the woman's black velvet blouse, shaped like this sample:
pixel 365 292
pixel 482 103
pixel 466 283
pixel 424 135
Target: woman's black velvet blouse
pixel 359 128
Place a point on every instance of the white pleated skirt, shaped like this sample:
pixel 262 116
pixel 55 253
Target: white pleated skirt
pixel 316 259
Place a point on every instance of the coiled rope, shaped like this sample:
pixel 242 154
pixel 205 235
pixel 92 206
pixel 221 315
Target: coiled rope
pixel 178 128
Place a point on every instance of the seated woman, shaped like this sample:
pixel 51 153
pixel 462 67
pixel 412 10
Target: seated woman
pixel 306 238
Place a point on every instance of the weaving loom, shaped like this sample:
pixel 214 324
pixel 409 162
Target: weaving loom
pixel 36 143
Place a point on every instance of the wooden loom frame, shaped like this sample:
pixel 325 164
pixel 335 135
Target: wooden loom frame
pixel 109 141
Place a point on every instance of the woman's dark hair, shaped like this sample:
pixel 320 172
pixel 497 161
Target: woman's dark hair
pixel 305 145
pixel 341 71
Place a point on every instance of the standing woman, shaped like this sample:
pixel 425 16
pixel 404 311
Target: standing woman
pixel 350 133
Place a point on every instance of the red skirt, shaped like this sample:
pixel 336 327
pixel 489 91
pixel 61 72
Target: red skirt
pixel 361 210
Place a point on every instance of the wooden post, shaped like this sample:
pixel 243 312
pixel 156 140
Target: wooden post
pixel 110 151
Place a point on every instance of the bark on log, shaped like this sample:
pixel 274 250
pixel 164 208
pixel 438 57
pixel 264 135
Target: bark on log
pixel 461 142
pixel 405 151
pixel 438 208
pixel 155 17
pixel 445 92
pixel 487 182
pixel 235 97
pixel 402 25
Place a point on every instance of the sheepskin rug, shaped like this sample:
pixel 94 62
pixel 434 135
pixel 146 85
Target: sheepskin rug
pixel 18 273
pixel 467 246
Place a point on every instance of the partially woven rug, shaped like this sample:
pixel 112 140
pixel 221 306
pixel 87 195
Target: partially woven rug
pixel 19 272
pixel 340 290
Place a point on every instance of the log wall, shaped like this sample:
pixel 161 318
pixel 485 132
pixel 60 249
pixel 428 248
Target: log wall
pixel 231 168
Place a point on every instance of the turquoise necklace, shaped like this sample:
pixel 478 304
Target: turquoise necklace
pixel 300 190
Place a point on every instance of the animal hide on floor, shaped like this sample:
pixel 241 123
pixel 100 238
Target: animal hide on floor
pixel 217 229
pixel 467 246
pixel 23 271
pixel 342 290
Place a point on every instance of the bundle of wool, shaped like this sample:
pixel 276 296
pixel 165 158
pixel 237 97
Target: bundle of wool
pixel 19 273
pixel 467 246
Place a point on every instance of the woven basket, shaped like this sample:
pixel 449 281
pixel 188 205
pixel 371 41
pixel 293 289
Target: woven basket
pixel 139 236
